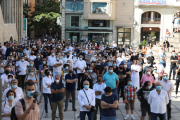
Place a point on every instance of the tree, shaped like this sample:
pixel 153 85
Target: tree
pixel 26 10
pixel 45 16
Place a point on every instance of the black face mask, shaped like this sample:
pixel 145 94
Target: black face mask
pixel 7 71
pixel 32 53
pixel 47 73
pixel 67 56
pixel 86 76
pixel 99 80
pixel 70 71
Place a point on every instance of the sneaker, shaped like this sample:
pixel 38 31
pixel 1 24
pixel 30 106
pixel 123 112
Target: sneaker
pixel 126 118
pixel 65 109
pixel 132 117
pixel 74 109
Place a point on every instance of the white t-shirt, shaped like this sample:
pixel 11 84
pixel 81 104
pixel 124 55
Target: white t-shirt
pixel 22 67
pixel 3 50
pixel 59 68
pixel 81 65
pixel 4 78
pixel 47 81
pixel 51 60
pixel 98 87
pixel 32 57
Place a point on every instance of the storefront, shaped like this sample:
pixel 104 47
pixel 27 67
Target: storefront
pixel 150 34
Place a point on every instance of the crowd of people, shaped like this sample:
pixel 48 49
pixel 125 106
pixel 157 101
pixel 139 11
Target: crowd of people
pixel 101 74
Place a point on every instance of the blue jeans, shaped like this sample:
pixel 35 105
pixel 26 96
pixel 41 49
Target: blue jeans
pixel 89 114
pixel 114 90
pixel 108 118
pixel 155 115
pixel 164 64
pixel 46 96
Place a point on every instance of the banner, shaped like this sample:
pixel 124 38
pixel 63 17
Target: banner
pixel 99 8
pixel 24 27
pixel 152 2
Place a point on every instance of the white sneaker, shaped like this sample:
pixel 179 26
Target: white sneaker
pixel 126 118
pixel 132 117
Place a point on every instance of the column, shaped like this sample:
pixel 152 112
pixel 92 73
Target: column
pixel 152 16
pixel 63 20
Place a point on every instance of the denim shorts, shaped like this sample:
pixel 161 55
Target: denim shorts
pixel 108 117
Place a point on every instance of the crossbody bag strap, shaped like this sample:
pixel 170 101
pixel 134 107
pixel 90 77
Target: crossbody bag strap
pixel 86 96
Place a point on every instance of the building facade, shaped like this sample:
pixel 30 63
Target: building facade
pixel 153 17
pixel 92 20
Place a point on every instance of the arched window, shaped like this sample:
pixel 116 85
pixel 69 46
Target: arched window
pixel 151 17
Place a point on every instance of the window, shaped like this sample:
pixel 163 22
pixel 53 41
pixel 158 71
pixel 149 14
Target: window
pixel 74 6
pixel 124 36
pixel 75 21
pixel 151 17
pixel 99 8
pixel 98 23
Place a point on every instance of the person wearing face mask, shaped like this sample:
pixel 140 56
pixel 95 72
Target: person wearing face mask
pixel 111 79
pixel 57 90
pixel 127 61
pixel 119 60
pixel 8 104
pixel 40 71
pixel 93 58
pixel 32 57
pixel 160 69
pixel 134 56
pixel 31 109
pixel 163 59
pixel 173 60
pixel 158 97
pixel 87 59
pixel 50 61
pixel 104 63
pixel 147 77
pixel 22 68
pixel 86 98
pixel 142 96
pixel 38 62
pixel 167 86
pixel 4 79
pixel 81 66
pixel 109 102
pixel 148 66
pixel 71 80
pixel 99 90
pixel 135 74
pixel 110 59
pixel 57 67
pixel 14 87
pixel 156 75
pixel 150 58
pixel 47 81
pixel 99 68
pixel 92 75
pixel 130 95
pixel 86 78
pixel 32 77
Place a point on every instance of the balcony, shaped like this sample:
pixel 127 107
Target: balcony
pixel 149 21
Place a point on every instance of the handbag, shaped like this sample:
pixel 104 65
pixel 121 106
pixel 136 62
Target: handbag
pixel 92 108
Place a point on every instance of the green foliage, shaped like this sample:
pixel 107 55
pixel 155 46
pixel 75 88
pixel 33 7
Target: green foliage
pixel 45 16
pixel 143 43
pixel 26 10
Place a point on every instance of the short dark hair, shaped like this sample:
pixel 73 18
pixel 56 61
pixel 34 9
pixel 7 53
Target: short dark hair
pixel 146 83
pixel 110 67
pixel 129 80
pixel 29 83
pixel 108 89
pixel 9 92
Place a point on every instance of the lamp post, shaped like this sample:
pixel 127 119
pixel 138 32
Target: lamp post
pixel 59 18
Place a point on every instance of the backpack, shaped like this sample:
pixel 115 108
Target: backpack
pixel 13 114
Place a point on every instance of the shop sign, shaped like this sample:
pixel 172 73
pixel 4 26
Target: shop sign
pixel 152 2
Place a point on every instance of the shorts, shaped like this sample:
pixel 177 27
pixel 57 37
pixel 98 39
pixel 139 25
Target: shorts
pixel 176 25
pixel 131 102
pixel 144 111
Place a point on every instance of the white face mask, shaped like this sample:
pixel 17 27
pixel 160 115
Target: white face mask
pixel 148 73
pixel 57 81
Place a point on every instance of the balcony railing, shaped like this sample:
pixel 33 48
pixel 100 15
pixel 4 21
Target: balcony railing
pixel 149 21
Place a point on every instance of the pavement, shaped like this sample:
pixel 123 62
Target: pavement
pixel 121 113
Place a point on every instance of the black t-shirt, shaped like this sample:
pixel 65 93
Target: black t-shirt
pixel 121 81
pixel 100 68
pixel 134 57
pixel 178 74
pixel 173 58
pixel 144 94
pixel 150 59
pixel 127 76
pixel 116 70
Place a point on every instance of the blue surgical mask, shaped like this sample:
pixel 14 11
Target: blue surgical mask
pixel 106 95
pixel 10 54
pixel 57 58
pixel 44 62
pixel 74 54
pixel 80 58
pixel 31 65
pixel 14 86
pixel 114 64
pixel 69 52
pixel 29 93
pixel 155 70
pixel 10 63
pixel 11 97
pixel 165 78
pixel 129 83
pixel 86 87
pixel 38 56
pixel 22 60
pixel 67 68
pixel 158 87
pixel 149 87
pixel 110 71
pixel 90 71
pixel 31 73
pixel 99 55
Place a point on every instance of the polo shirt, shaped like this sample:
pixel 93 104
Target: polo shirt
pixel 167 86
pixel 58 96
pixel 110 80
pixel 110 100
pixel 70 86
pixel 173 58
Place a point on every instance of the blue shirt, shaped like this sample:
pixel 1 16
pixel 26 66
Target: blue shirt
pixel 40 68
pixel 110 80
pixel 105 64
pixel 70 86
pixel 58 96
pixel 164 56
pixel 109 112
pixel 129 63
pixel 37 62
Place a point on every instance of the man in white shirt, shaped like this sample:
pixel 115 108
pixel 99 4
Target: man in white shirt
pixel 99 90
pixel 160 68
pixel 80 65
pixel 168 86
pixel 14 87
pixel 119 60
pixel 68 48
pixel 50 61
pixel 57 67
pixel 158 99
pixel 86 98
pixel 3 50
pixel 22 69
